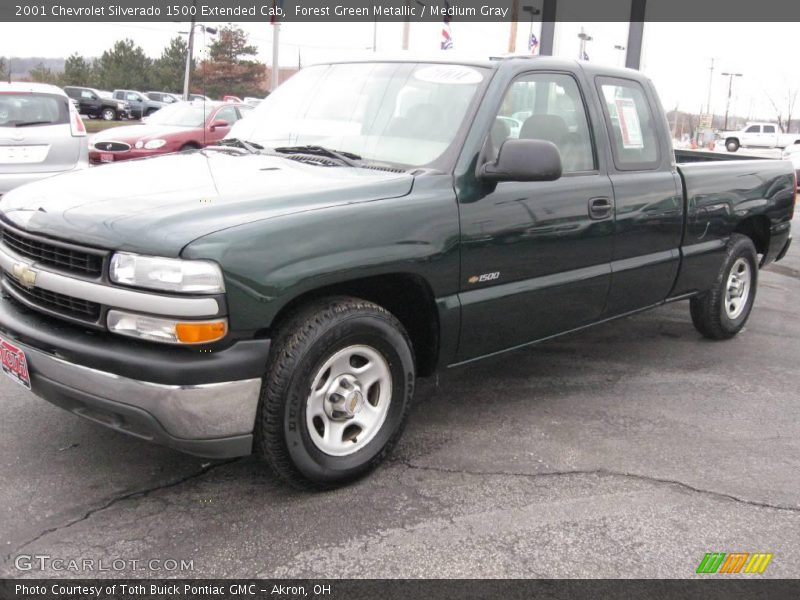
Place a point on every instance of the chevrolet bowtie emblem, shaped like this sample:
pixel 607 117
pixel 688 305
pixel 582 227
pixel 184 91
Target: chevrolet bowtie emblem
pixel 24 274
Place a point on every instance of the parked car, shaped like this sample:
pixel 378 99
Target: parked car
pixel 140 105
pixel 41 134
pixel 93 104
pixel 280 292
pixel 165 97
pixel 792 153
pixel 199 97
pixel 758 135
pixel 178 127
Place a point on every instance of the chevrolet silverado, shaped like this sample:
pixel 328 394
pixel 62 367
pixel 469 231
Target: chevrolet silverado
pixel 370 223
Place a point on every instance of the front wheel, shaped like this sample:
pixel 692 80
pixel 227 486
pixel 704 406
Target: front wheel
pixel 109 114
pixel 732 145
pixel 336 393
pixel 722 312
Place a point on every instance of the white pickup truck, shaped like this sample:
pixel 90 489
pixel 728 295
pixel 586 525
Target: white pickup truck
pixel 759 135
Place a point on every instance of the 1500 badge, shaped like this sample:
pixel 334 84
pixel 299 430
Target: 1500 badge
pixel 486 277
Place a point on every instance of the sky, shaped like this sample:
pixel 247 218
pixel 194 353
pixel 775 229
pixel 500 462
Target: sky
pixel 676 56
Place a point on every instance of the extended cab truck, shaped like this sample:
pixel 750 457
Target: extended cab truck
pixel 368 224
pixel 758 135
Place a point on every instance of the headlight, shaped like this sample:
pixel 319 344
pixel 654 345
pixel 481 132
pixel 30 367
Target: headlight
pixel 138 145
pixel 167 274
pixel 166 331
pixel 154 144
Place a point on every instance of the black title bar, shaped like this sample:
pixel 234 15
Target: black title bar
pixel 711 11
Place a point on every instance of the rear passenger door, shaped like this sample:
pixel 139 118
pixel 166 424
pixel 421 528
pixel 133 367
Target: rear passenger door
pixel 648 195
pixel 535 255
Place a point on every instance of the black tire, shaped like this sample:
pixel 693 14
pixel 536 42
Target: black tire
pixel 709 313
pixel 732 144
pixel 108 114
pixel 301 347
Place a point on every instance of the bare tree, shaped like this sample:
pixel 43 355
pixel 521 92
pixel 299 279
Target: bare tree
pixel 784 105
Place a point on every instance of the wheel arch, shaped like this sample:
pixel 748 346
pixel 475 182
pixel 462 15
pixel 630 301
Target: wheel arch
pixel 757 228
pixel 409 297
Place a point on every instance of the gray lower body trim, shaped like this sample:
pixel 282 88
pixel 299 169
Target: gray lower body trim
pixel 191 413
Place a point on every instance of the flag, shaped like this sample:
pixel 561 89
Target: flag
pixel 447 38
pixel 533 43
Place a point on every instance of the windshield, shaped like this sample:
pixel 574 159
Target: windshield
pixel 398 113
pixel 28 110
pixel 181 114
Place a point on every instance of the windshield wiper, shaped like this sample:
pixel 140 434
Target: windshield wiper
pixel 347 158
pixel 27 123
pixel 251 147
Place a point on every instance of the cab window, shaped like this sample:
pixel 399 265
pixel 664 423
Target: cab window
pixel 753 129
pixel 630 121
pixel 546 106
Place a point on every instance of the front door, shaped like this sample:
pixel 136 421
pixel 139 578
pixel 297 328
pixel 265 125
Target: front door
pixel 536 255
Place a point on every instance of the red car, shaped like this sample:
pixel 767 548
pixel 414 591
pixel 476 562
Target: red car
pixel 175 128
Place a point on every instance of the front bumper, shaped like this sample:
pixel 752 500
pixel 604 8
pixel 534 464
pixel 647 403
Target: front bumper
pixel 183 405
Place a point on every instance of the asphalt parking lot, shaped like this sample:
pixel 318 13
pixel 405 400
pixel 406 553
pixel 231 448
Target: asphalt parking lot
pixel 629 450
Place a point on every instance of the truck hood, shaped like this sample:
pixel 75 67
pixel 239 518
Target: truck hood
pixel 159 205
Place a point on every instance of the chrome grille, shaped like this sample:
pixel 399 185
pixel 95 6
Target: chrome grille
pixel 112 146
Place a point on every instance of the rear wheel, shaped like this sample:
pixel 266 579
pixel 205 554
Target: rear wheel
pixel 336 393
pixel 732 144
pixel 722 312
pixel 108 114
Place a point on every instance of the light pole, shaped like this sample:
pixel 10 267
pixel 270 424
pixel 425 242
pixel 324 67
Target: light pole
pixel 730 77
pixel 533 11
pixel 187 75
pixel 621 52
pixel 407 24
pixel 584 37
pixel 710 80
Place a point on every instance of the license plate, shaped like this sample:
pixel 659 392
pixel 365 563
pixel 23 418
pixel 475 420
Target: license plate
pixel 15 365
pixel 106 157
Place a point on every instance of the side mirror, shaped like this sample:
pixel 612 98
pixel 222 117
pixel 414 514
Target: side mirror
pixel 524 160
pixel 219 123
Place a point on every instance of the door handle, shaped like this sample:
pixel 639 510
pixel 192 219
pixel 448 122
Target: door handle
pixel 600 208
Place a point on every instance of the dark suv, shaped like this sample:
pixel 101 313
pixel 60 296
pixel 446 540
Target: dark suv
pixel 140 104
pixel 92 104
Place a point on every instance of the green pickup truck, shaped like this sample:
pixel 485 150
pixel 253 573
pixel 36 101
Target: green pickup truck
pixel 370 223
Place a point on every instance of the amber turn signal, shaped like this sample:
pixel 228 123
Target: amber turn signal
pixel 201 333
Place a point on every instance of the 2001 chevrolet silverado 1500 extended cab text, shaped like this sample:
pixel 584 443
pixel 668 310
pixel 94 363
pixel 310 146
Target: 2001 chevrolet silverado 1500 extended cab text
pixel 370 223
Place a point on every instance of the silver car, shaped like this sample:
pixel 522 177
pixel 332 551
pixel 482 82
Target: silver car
pixel 41 134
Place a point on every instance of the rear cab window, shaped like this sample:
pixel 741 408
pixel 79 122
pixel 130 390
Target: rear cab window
pixel 31 110
pixel 631 125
